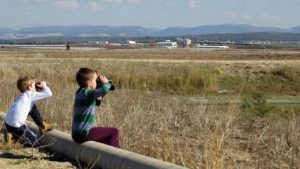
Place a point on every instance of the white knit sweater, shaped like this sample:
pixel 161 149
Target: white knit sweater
pixel 18 112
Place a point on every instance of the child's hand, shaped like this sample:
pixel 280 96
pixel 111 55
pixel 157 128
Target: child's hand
pixel 42 84
pixel 103 79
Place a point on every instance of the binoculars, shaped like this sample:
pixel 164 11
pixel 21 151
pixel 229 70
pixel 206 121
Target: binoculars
pixel 99 85
pixel 38 88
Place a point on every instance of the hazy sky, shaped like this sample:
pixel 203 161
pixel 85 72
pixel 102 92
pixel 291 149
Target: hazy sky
pixel 149 13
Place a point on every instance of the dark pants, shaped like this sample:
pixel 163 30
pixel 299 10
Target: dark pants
pixel 23 134
pixel 106 135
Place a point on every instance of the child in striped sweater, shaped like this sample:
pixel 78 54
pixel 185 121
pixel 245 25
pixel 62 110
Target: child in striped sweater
pixel 85 108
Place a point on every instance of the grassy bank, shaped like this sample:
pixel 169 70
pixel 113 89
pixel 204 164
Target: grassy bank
pixel 154 122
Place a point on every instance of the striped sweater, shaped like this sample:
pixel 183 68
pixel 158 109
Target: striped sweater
pixel 85 108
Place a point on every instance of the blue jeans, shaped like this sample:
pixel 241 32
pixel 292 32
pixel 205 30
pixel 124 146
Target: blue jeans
pixel 25 136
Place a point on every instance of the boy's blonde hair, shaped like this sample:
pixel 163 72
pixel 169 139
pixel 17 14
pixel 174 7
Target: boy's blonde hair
pixel 24 82
pixel 83 75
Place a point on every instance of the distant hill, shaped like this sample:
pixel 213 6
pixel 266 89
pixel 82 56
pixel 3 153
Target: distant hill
pixel 295 29
pixel 6 30
pixel 252 36
pixel 78 31
pixel 212 29
pixel 87 31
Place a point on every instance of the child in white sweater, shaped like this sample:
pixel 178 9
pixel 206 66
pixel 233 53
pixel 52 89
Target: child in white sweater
pixel 24 105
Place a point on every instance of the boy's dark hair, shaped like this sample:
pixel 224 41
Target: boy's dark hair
pixel 24 82
pixel 83 75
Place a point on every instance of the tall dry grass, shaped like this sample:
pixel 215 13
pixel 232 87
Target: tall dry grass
pixel 160 125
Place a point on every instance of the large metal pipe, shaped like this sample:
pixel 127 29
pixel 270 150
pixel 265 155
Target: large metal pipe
pixel 97 154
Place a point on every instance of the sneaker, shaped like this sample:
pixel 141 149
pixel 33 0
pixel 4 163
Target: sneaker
pixel 46 127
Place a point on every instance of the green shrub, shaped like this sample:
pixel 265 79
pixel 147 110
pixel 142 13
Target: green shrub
pixel 256 104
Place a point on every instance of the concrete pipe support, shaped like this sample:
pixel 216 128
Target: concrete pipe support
pixel 97 154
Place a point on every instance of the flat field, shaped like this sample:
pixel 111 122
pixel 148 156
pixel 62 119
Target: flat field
pixel 199 109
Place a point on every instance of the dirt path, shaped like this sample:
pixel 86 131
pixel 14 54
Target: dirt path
pixel 28 158
pixel 17 157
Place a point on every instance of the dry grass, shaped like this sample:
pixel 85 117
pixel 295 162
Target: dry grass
pixel 153 121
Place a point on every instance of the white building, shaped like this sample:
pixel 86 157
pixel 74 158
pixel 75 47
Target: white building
pixel 184 42
pixel 131 42
pixel 167 44
pixel 98 42
pixel 187 42
pixel 212 46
